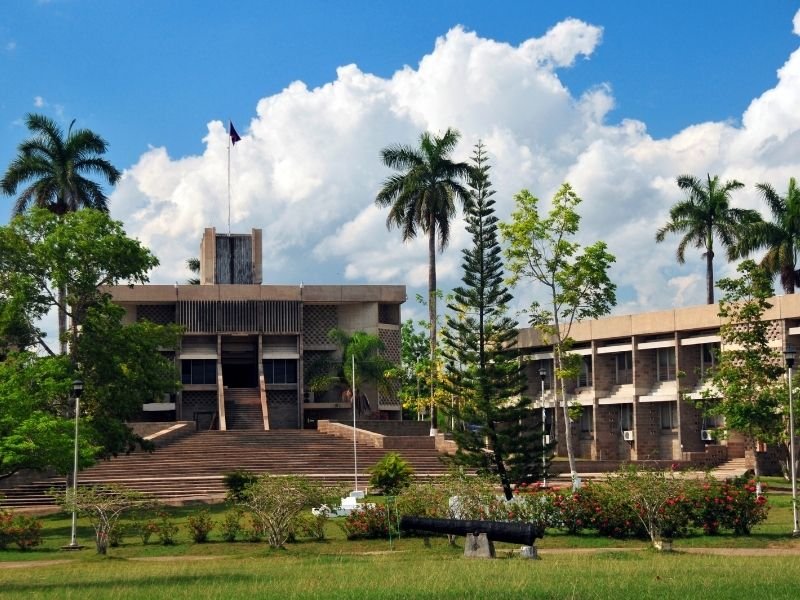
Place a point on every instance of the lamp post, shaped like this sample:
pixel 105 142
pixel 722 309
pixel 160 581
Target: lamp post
pixel 77 389
pixel 542 375
pixel 790 355
pixel 355 447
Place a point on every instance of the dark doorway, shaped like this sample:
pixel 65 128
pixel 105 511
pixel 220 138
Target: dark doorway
pixel 239 375
pixel 240 362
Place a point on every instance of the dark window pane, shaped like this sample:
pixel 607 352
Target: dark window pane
pixel 291 371
pixel 210 371
pixel 186 371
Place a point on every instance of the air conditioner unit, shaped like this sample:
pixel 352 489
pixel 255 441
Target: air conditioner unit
pixel 627 435
pixel 707 435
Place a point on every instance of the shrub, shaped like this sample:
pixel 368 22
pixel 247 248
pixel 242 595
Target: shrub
pixel 370 521
pixel 311 526
pixel 5 528
pixel 743 507
pixel 231 525
pixel 166 530
pixel 22 530
pixel 391 474
pixel 200 525
pixel 103 505
pixel 275 501
pixel 237 481
pixel 115 537
pixel 423 500
pixel 145 529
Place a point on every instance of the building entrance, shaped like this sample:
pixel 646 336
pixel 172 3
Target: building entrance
pixel 240 362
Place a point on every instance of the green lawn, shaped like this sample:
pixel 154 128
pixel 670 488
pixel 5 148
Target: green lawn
pixel 338 568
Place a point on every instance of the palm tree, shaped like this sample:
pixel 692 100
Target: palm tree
pixel 781 237
pixel 55 168
pixel 704 215
pixel 193 264
pixel 422 197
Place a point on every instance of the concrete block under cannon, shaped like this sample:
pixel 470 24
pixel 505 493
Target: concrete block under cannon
pixel 480 534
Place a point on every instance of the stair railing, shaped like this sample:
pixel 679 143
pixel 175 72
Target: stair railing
pixel 220 398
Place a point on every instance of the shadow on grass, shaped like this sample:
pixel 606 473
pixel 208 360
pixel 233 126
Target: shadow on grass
pixel 137 583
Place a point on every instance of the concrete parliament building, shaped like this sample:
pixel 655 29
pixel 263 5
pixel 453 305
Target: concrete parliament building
pixel 247 347
pixel 246 350
pixel 642 375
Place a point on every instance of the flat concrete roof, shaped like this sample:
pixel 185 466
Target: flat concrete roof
pixel 690 318
pixel 310 294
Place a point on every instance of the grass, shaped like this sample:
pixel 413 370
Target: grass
pixel 337 568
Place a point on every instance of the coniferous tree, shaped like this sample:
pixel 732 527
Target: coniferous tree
pixel 500 433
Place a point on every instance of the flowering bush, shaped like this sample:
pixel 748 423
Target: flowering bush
pixel 200 525
pixel 731 505
pixel 24 531
pixel 370 521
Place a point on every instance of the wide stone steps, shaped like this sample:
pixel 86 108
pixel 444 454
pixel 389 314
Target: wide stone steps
pixel 192 468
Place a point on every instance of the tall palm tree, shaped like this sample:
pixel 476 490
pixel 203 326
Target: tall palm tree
pixel 55 169
pixel 422 197
pixel 781 237
pixel 706 214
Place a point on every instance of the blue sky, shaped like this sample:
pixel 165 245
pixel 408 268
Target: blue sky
pixel 662 81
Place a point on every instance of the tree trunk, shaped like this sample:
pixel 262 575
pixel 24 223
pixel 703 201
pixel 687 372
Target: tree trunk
pixel 432 314
pixel 62 319
pixel 573 467
pixel 709 276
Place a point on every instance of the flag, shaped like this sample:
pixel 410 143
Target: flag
pixel 234 136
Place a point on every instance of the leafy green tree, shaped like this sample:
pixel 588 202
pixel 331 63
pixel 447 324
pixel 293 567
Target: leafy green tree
pixel 706 214
pixel 121 365
pixel 82 251
pixel 780 238
pixel 35 432
pixel 482 362
pixel 411 374
pixel 56 169
pixel 422 196
pixel 541 248
pixel 745 388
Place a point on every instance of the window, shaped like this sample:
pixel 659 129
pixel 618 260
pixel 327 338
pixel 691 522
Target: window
pixel 547 365
pixel 665 364
pixel 624 366
pixel 708 358
pixel 198 371
pixel 669 415
pixel 280 370
pixel 587 422
pixel 585 378
pixel 626 417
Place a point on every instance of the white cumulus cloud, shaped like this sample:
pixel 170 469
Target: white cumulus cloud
pixel 307 168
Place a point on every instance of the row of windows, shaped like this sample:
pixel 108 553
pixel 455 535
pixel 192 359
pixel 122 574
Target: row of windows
pixel 204 371
pixel 623 366
pixel 668 413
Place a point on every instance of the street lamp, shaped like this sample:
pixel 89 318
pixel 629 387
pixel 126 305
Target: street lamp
pixel 542 375
pixel 77 390
pixel 790 355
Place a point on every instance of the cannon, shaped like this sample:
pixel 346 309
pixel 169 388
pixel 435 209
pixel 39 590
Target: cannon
pixel 477 532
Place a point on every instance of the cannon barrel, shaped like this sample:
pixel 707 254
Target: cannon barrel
pixel 496 531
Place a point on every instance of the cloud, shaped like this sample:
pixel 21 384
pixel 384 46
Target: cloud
pixel 11 46
pixel 796 23
pixel 39 102
pixel 307 168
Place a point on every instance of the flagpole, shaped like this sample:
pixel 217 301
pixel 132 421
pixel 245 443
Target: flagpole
pixel 229 177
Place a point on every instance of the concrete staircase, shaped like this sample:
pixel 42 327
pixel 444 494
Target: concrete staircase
pixel 736 467
pixel 243 409
pixel 192 468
